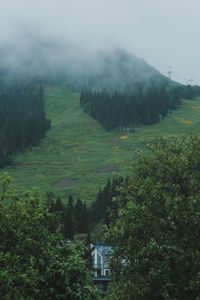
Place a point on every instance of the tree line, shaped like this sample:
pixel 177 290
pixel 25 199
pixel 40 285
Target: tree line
pixel 75 215
pixel 78 218
pixel 125 110
pixel 103 204
pixel 22 118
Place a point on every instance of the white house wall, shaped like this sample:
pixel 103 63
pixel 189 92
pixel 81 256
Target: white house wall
pixel 95 253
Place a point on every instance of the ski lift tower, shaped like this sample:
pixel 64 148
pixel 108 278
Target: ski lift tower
pixel 170 72
pixel 190 81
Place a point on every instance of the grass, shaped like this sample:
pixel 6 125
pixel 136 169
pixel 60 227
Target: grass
pixel 77 148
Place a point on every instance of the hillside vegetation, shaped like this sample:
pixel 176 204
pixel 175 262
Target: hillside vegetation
pixel 22 118
pixel 77 156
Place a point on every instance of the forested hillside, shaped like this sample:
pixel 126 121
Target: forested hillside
pixel 55 166
pixel 144 105
pixel 22 118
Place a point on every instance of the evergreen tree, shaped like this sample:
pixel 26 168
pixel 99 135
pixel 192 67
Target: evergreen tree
pixel 22 118
pixel 78 216
pixel 58 206
pixel 69 226
pixel 50 201
pixel 128 109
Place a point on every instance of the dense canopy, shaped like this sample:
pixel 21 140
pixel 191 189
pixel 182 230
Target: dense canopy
pixel 35 262
pixel 156 230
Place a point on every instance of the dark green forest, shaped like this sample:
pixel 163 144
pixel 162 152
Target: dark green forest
pixel 126 110
pixel 78 218
pixel 22 118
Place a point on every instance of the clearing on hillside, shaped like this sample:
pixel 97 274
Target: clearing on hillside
pixel 65 182
pixel 107 169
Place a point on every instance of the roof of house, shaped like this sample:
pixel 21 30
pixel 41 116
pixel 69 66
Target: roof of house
pixel 104 250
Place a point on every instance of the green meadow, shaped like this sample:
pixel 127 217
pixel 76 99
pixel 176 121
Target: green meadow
pixel 77 156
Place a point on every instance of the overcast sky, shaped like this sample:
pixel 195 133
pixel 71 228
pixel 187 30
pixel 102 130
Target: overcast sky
pixel 163 32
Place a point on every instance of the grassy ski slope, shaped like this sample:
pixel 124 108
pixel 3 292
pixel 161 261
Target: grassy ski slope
pixel 77 156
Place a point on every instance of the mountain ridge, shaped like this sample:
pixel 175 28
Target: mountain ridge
pixel 50 61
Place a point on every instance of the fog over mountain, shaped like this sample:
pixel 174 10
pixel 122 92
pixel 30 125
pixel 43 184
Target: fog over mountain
pixel 54 35
pixel 49 60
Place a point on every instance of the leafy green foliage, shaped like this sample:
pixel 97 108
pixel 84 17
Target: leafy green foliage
pixel 35 262
pixel 156 231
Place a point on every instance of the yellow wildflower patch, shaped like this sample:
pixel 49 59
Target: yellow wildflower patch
pixel 123 137
pixel 80 148
pixel 119 162
pixel 116 149
pixel 195 108
pixel 186 122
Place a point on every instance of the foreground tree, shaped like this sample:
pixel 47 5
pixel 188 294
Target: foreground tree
pixel 35 263
pixel 157 227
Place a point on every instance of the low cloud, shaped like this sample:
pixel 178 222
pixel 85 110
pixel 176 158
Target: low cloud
pixel 165 33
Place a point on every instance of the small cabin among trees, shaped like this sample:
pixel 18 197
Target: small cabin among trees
pixel 100 264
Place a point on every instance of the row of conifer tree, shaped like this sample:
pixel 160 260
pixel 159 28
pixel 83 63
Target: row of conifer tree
pixel 22 118
pixel 147 106
pixel 78 218
pixel 75 215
